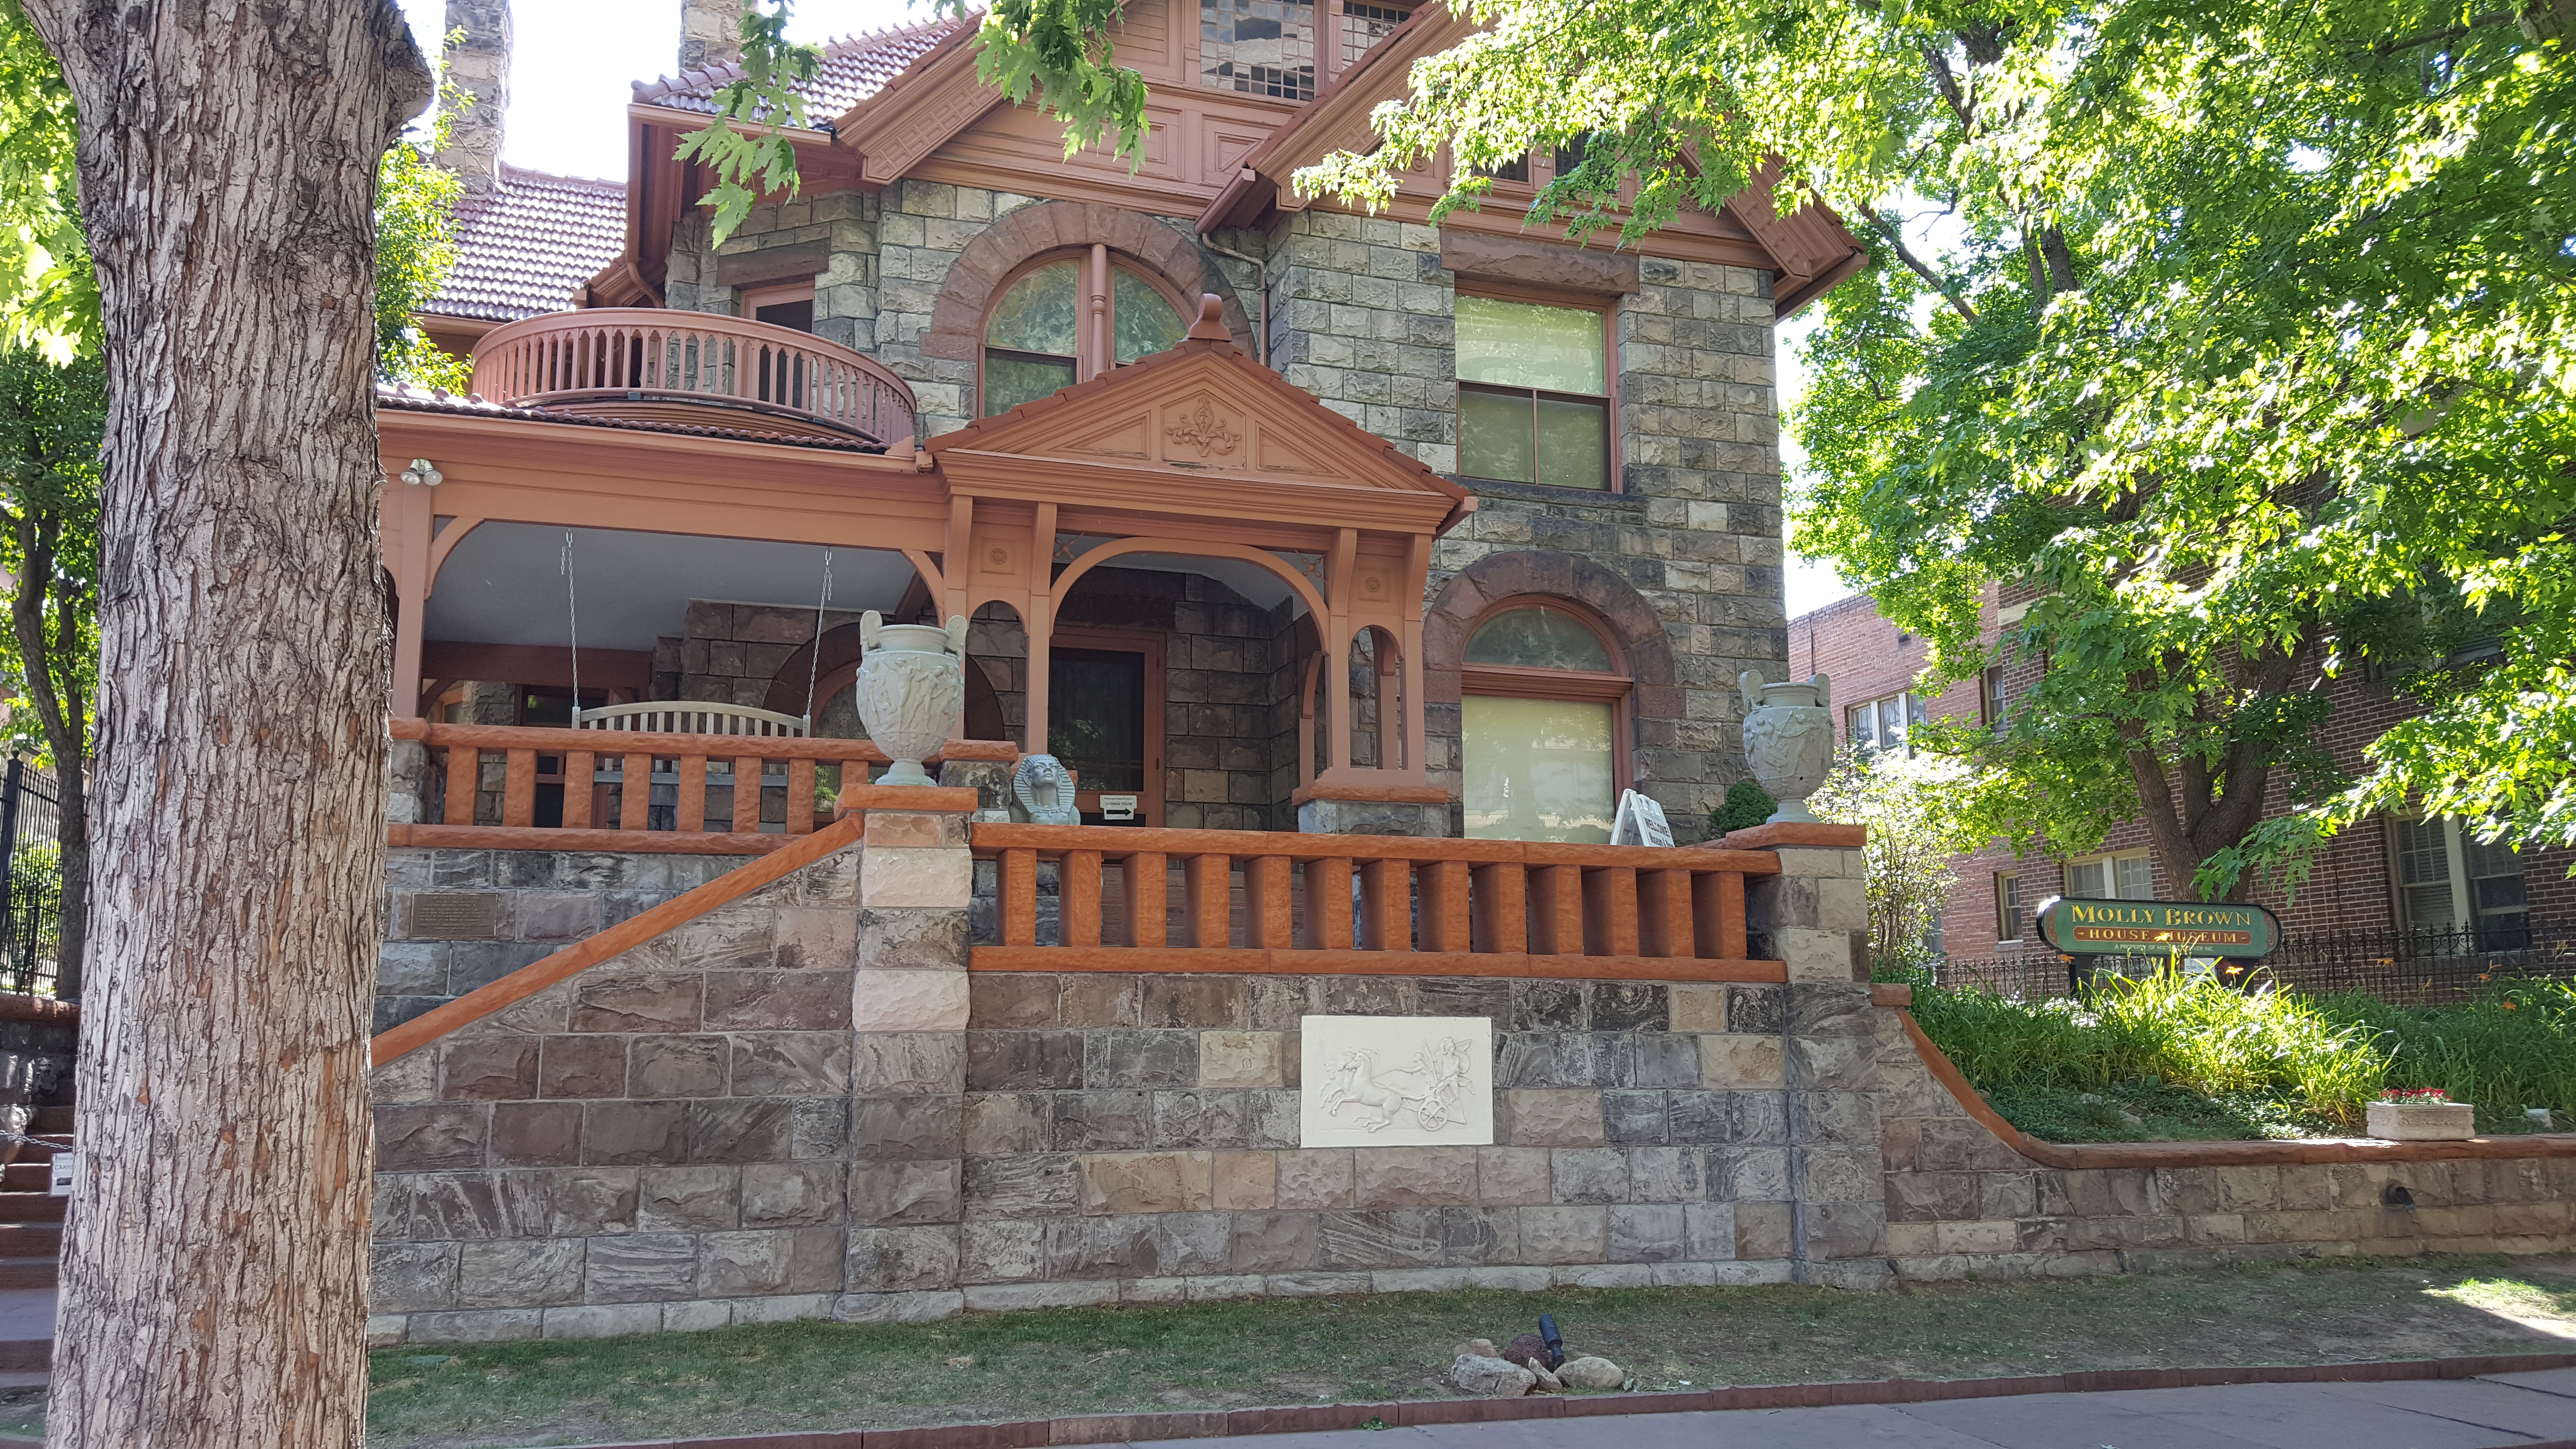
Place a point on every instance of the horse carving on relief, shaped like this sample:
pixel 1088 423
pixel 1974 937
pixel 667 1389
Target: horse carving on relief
pixel 1431 1087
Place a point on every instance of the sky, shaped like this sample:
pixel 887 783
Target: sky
pixel 574 64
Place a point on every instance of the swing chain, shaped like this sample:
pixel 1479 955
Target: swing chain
pixel 572 621
pixel 814 666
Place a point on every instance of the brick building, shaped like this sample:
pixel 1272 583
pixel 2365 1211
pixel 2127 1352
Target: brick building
pixel 2389 876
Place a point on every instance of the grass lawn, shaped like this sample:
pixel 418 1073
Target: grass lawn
pixel 1217 1355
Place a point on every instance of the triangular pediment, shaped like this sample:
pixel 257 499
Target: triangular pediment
pixel 1201 411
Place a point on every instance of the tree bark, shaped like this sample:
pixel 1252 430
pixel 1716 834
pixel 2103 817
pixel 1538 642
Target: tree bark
pixel 214 1266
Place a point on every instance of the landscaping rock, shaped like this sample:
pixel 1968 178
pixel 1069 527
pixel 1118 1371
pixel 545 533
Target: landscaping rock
pixel 1591 1373
pixel 1491 1377
pixel 1547 1382
pixel 1528 1350
pixel 1475 1348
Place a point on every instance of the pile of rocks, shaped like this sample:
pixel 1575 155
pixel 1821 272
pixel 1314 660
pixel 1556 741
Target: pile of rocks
pixel 1521 1367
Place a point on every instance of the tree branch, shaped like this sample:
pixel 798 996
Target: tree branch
pixel 1916 265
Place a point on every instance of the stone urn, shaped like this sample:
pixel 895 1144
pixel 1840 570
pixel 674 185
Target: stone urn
pixel 2423 1121
pixel 1788 739
pixel 912 687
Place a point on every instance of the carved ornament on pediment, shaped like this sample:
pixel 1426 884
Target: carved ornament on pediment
pixel 1205 431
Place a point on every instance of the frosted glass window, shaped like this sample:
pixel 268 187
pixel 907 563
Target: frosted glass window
pixel 1538 769
pixel 1038 313
pixel 1143 322
pixel 1521 344
pixel 1538 638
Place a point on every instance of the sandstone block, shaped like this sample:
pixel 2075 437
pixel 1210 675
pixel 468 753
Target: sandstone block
pixel 1246 1179
pixel 1762 1230
pixel 792 1064
pixel 688 1199
pixel 1741 1061
pixel 1315 1178
pixel 1413 1176
pixel 882 1193
pixel 1239 1059
pixel 640 1268
pixel 1001 1251
pixel 602 1320
pixel 1697 1007
pixel 907 1129
pixel 1588 1175
pixel 1511 1176
pixel 1009 1297
pixel 909 1064
pixel 1555 1117
pixel 677 1066
pixel 1001 1122
pixel 910 877
pixel 909 1001
pixel 1024 1185
pixel 791 1195
pixel 1564 1234
pixel 893 1260
pixel 491 1325
pixel 913 940
pixel 1148 1182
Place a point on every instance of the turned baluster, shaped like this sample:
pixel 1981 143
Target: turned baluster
pixel 519 788
pixel 1556 910
pixel 1445 914
pixel 1498 908
pixel 1078 899
pixel 746 794
pixel 1328 904
pixel 693 794
pixel 1147 887
pixel 1019 897
pixel 1269 915
pixel 580 768
pixel 464 764
pixel 1610 911
pixel 1207 881
pixel 1386 905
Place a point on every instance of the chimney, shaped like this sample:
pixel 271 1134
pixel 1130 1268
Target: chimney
pixel 710 32
pixel 480 66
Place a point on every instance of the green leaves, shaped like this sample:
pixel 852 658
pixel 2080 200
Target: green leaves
pixel 416 247
pixel 1059 53
pixel 48 294
pixel 747 145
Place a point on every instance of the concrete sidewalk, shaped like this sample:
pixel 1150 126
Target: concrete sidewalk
pixel 2505 1409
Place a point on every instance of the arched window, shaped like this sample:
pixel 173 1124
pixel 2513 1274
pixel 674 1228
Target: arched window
pixel 1545 714
pixel 1035 342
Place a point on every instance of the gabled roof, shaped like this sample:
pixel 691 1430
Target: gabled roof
pixel 854 68
pixel 529 245
pixel 1196 428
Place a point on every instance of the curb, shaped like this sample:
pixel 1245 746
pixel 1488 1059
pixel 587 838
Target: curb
pixel 1306 1419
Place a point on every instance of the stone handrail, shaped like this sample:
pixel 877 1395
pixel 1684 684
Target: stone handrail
pixel 1423 907
pixel 647 355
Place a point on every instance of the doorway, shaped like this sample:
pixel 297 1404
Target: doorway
pixel 1105 722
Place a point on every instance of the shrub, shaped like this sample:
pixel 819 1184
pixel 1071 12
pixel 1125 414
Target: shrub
pixel 1747 805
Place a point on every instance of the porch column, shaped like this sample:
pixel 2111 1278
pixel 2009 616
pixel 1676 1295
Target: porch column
pixel 1390 680
pixel 406 512
pixel 1416 735
pixel 1041 627
pixel 1334 707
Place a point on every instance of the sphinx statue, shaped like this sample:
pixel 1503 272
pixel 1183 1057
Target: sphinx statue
pixel 1043 789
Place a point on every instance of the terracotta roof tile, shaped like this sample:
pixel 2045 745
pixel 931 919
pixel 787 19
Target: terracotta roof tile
pixel 855 67
pixel 528 247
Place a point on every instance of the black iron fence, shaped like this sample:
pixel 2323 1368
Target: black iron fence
pixel 2408 968
pixel 31 867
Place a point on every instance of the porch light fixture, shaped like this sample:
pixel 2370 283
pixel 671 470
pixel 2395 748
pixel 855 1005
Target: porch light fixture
pixel 422 471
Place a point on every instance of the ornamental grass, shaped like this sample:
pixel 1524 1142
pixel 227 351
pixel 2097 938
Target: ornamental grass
pixel 2176 1055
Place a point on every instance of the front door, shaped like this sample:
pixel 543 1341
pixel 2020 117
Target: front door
pixel 1105 723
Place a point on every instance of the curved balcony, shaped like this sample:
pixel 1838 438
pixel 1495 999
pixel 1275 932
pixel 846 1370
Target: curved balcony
pixel 669 366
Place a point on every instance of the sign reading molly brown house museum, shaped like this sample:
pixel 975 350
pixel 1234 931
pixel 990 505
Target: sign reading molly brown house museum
pixel 2082 927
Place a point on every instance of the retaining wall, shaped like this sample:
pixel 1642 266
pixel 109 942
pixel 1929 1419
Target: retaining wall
pixel 803 1105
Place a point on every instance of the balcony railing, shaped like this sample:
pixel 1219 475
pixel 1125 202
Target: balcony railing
pixel 706 793
pixel 1283 901
pixel 644 361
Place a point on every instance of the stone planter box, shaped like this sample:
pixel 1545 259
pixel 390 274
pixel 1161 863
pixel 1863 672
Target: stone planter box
pixel 2423 1121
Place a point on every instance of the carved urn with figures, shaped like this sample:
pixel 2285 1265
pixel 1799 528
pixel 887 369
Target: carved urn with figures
pixel 912 688
pixel 1788 739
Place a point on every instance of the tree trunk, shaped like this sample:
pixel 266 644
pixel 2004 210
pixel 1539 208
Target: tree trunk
pixel 214 1268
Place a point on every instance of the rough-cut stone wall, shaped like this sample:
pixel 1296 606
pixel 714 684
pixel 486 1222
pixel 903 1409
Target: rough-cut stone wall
pixel 845 289
pixel 536 901
pixel 660 1142
pixel 1963 1203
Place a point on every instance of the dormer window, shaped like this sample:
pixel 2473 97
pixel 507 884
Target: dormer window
pixel 1258 47
pixel 1036 340
pixel 1364 26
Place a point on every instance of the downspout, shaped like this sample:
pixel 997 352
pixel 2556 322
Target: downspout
pixel 1261 295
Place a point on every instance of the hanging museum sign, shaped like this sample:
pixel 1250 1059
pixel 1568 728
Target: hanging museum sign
pixel 2081 927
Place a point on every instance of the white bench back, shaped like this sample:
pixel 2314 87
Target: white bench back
pixel 680 717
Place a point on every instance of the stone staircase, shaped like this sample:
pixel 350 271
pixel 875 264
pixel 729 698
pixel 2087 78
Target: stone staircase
pixel 31 1239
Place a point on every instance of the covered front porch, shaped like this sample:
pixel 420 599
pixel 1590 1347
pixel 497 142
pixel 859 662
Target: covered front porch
pixel 1187 580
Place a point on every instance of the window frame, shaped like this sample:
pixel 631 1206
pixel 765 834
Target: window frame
pixel 1911 706
pixel 1325 37
pixel 1991 698
pixel 2467 920
pixel 2008 911
pixel 1095 348
pixel 749 300
pixel 1617 687
pixel 1607 308
pixel 2112 858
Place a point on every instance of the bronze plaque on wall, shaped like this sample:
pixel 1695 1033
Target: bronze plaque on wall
pixel 456 916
